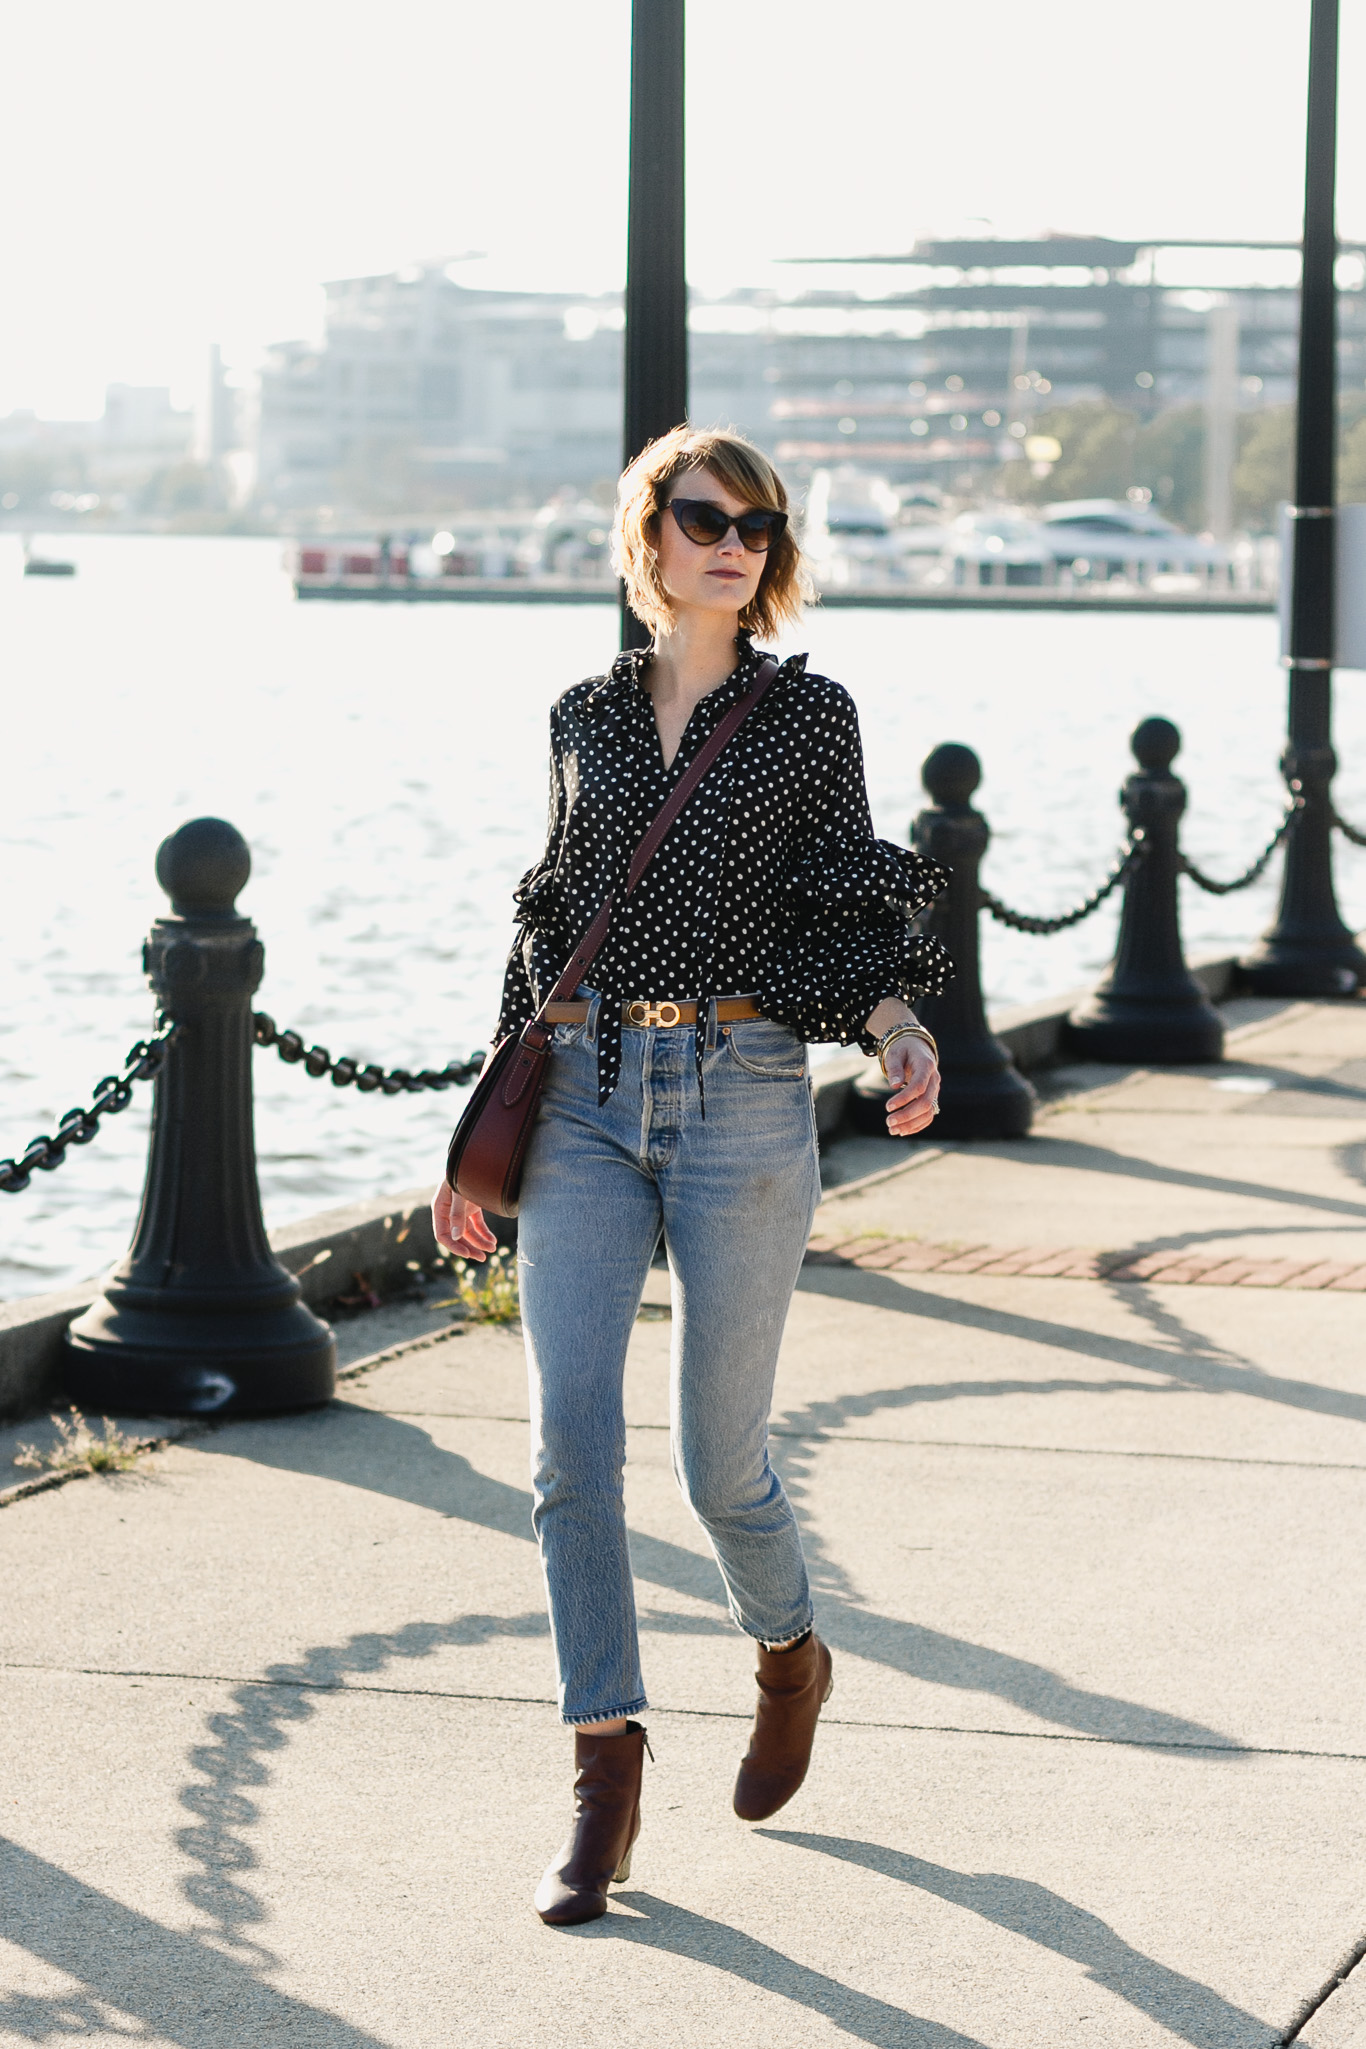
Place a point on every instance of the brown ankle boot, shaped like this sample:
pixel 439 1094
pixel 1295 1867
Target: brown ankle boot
pixel 793 1688
pixel 597 1850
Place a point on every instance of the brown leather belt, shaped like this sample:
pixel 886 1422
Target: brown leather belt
pixel 729 1009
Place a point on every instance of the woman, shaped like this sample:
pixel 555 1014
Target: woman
pixel 678 1099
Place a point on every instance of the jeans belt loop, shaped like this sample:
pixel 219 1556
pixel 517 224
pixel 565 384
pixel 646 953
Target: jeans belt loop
pixel 590 1028
pixel 713 1027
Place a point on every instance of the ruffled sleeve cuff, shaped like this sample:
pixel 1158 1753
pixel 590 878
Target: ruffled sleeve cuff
pixel 853 940
pixel 836 884
pixel 534 897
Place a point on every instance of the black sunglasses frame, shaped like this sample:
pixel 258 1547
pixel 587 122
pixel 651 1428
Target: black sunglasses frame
pixel 767 526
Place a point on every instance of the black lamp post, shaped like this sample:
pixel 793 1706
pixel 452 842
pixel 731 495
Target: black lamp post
pixel 656 264
pixel 1309 951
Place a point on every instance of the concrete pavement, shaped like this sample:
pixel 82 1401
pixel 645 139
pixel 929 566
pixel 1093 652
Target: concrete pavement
pixel 283 1768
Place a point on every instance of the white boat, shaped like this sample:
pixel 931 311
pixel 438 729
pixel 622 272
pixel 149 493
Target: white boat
pixel 1104 540
pixel 996 547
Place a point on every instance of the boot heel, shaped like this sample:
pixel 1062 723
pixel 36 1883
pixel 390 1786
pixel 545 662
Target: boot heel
pixel 623 1870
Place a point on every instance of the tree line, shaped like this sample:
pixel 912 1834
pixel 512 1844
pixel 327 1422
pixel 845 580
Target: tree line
pixel 1106 450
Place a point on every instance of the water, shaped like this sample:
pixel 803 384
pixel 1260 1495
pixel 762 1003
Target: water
pixel 387 765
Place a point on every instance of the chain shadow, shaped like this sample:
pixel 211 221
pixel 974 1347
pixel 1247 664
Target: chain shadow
pixel 391 1456
pixel 256 1725
pixel 920 1652
pixel 178 1986
pixel 659 1924
pixel 1205 1371
pixel 1179 2004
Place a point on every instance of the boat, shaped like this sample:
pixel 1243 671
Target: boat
pixel 45 565
pixel 556 554
pixel 999 547
pixel 1110 541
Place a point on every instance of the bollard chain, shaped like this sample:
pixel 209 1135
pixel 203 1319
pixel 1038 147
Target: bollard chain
pixel 1349 832
pixel 396 1081
pixel 78 1127
pixel 1020 921
pixel 1282 832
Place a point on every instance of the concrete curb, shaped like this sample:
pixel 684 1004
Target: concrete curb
pixel 383 1239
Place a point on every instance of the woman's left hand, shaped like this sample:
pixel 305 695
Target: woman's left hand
pixel 914 1074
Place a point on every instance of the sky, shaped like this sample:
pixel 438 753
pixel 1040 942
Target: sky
pixel 178 172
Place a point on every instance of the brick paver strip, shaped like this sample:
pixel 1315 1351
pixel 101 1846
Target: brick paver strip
pixel 1016 1262
pixel 1148 1267
pixel 1330 1270
pixel 1230 1272
pixel 1053 1263
pixel 1086 1266
pixel 923 1259
pixel 1078 1263
pixel 1277 1273
pixel 969 1261
pixel 889 1253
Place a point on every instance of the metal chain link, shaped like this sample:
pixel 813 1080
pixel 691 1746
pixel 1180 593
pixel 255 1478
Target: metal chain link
pixel 395 1081
pixel 1213 888
pixel 1348 832
pixel 1019 921
pixel 78 1127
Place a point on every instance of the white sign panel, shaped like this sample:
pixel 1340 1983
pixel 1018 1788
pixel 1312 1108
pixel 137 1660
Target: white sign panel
pixel 1349 576
pixel 1350 599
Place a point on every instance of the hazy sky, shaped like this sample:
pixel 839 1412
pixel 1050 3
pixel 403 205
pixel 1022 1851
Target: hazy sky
pixel 177 172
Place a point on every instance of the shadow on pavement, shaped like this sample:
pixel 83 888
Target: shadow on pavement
pixel 180 1987
pixel 674 1930
pixel 1080 1157
pixel 394 1457
pixel 1352 1160
pixel 1180 1368
pixel 257 1725
pixel 1179 2004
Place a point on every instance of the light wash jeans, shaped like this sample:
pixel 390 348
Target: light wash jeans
pixel 736 1193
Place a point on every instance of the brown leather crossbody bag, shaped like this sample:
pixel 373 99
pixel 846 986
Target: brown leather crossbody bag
pixel 489 1146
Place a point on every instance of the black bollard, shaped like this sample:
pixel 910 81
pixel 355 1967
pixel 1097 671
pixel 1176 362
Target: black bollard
pixel 200 1318
pixel 1150 1009
pixel 983 1096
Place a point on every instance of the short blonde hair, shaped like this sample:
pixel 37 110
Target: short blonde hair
pixel 644 492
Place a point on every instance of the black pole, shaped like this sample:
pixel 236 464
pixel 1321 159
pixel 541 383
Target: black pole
pixel 982 1095
pixel 200 1318
pixel 1150 1008
pixel 656 371
pixel 1309 951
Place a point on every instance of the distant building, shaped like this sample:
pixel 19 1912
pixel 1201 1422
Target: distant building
pixel 425 390
pixel 100 465
pixel 141 432
pixel 215 414
pixel 442 388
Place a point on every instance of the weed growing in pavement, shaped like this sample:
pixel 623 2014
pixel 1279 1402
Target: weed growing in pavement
pixel 487 1295
pixel 78 1447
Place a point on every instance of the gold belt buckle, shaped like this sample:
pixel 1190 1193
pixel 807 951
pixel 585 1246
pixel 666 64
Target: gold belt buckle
pixel 642 1013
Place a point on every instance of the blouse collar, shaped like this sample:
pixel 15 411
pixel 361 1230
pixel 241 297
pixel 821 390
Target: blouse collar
pixel 626 675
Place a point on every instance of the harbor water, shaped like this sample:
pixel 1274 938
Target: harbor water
pixel 387 765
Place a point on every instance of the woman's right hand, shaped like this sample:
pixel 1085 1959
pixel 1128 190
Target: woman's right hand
pixel 459 1225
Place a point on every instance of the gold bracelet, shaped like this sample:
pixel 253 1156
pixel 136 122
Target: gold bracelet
pixel 905 1031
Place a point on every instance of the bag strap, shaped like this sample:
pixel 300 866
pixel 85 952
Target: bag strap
pixel 664 818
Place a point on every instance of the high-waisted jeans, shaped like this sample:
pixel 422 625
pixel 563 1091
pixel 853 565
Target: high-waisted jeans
pixel 735 1193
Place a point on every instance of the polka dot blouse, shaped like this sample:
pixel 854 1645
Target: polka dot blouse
pixel 769 884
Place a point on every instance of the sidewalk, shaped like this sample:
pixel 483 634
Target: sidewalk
pixel 282 1766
